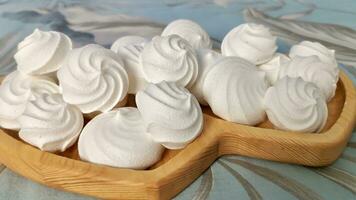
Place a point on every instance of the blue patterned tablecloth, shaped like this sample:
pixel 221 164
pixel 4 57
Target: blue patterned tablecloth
pixel 231 177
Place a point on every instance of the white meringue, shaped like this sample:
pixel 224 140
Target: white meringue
pixel 206 59
pixel 190 31
pixel 295 105
pixel 307 48
pixel 15 92
pixel 129 49
pixel 50 124
pixel 93 78
pixel 253 42
pixel 172 115
pixel 312 69
pixel 234 88
pixel 121 142
pixel 169 58
pixel 42 52
pixel 273 67
pixel 127 41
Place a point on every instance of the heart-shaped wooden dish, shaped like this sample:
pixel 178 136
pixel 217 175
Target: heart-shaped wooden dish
pixel 178 169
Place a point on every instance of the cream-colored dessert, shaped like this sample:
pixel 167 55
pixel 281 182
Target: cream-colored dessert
pixel 206 59
pixel 121 142
pixel 190 31
pixel 312 69
pixel 42 52
pixel 273 67
pixel 129 49
pixel 50 124
pixel 234 88
pixel 128 41
pixel 93 78
pixel 15 92
pixel 172 115
pixel 169 58
pixel 253 42
pixel 296 105
pixel 307 48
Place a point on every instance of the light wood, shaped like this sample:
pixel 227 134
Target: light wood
pixel 178 169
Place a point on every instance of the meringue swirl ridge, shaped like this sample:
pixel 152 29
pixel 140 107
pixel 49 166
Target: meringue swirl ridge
pixel 234 89
pixel 253 42
pixel 129 49
pixel 50 124
pixel 93 78
pixel 121 142
pixel 206 60
pixel 172 115
pixel 190 31
pixel 312 69
pixel 169 58
pixel 295 105
pixel 307 48
pixel 15 92
pixel 42 52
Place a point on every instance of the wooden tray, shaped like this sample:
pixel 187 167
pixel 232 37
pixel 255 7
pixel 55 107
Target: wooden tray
pixel 178 169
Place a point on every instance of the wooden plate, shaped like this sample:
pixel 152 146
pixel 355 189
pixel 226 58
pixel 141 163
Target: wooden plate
pixel 178 169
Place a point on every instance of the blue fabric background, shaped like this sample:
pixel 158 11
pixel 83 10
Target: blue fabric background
pixel 89 21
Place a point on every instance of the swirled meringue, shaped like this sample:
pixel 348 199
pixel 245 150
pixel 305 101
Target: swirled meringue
pixel 190 31
pixel 127 41
pixel 15 92
pixel 93 78
pixel 234 88
pixel 295 105
pixel 206 59
pixel 121 142
pixel 169 58
pixel 307 48
pixel 129 49
pixel 42 52
pixel 172 115
pixel 50 124
pixel 312 69
pixel 253 42
pixel 273 67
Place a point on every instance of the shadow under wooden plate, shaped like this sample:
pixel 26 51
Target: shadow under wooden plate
pixel 178 169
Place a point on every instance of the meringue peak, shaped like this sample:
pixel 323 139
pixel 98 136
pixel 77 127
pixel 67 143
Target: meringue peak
pixel 93 78
pixel 169 58
pixel 172 115
pixel 42 52
pixel 296 105
pixel 192 32
pixel 253 42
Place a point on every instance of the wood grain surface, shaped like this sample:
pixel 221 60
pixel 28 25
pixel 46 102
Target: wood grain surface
pixel 178 169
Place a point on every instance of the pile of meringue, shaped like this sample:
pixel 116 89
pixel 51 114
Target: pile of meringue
pixel 56 86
